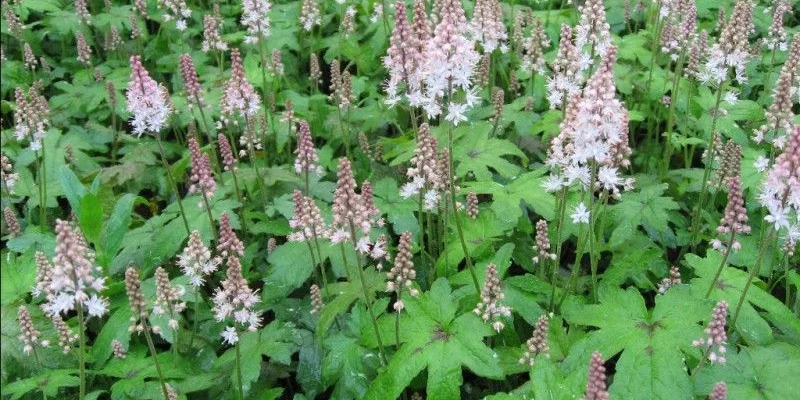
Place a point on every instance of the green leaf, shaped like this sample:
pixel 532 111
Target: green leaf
pixel 646 208
pixel 18 276
pixel 432 339
pixel 345 294
pixel 476 152
pixel 756 373
pixel 48 382
pixel 652 344
pixel 90 217
pixel 508 199
pixel 118 223
pixel 73 189
pixel 752 324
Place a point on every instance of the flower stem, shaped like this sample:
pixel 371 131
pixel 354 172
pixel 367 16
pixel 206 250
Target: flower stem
pixel 753 273
pixel 670 118
pixel 397 320
pixel 456 216
pixel 384 361
pixel 240 392
pixel 155 359
pixel 172 183
pixel 208 212
pixel 195 316
pixel 709 160
pixel 562 208
pixel 721 264
pixel 43 191
pixel 81 353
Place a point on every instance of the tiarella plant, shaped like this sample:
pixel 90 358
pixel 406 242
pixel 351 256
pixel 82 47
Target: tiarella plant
pixel 449 199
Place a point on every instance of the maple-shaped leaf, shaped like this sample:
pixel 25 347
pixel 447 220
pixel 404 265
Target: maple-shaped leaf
pixel 755 373
pixel 751 323
pixel 646 208
pixel 509 199
pixel 476 152
pixel 652 342
pixel 435 339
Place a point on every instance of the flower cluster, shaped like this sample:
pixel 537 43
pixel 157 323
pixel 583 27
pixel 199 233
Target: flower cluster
pixel 698 50
pixel 238 95
pixel 113 40
pixel 533 48
pixel 201 177
pixel 195 260
pixel 66 338
pixel 177 10
pixel 148 101
pixel 780 115
pixel 490 307
pixel 12 223
pixel 28 334
pixel 542 246
pixel 780 192
pixel 254 17
pixel 234 298
pixel 714 342
pixel 776 35
pixel 341 86
pixel 425 174
pixel 307 159
pixel 404 57
pixel 316 299
pixel 194 92
pixel 307 220
pixel 75 280
pixel 138 304
pixel 8 177
pixel 596 382
pixel 568 69
pixel 353 212
pixel 84 51
pixel 680 22
pixel 402 274
pixel 487 26
pixel 734 220
pixel 168 298
pixel 450 60
pixel 82 9
pixel 673 279
pixel 32 116
pixel 472 205
pixel 593 30
pixel 537 344
pixel 212 40
pixel 309 15
pixel 720 392
pixel 225 149
pixel 732 51
pixel 593 143
pixel 118 349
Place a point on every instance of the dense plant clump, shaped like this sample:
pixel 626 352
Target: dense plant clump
pixel 477 199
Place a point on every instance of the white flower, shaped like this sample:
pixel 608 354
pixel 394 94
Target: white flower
pixel 96 306
pixel 230 336
pixel 553 183
pixel 731 98
pixel 363 245
pixel 455 113
pixel 431 200
pixel 580 214
pixel 761 164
